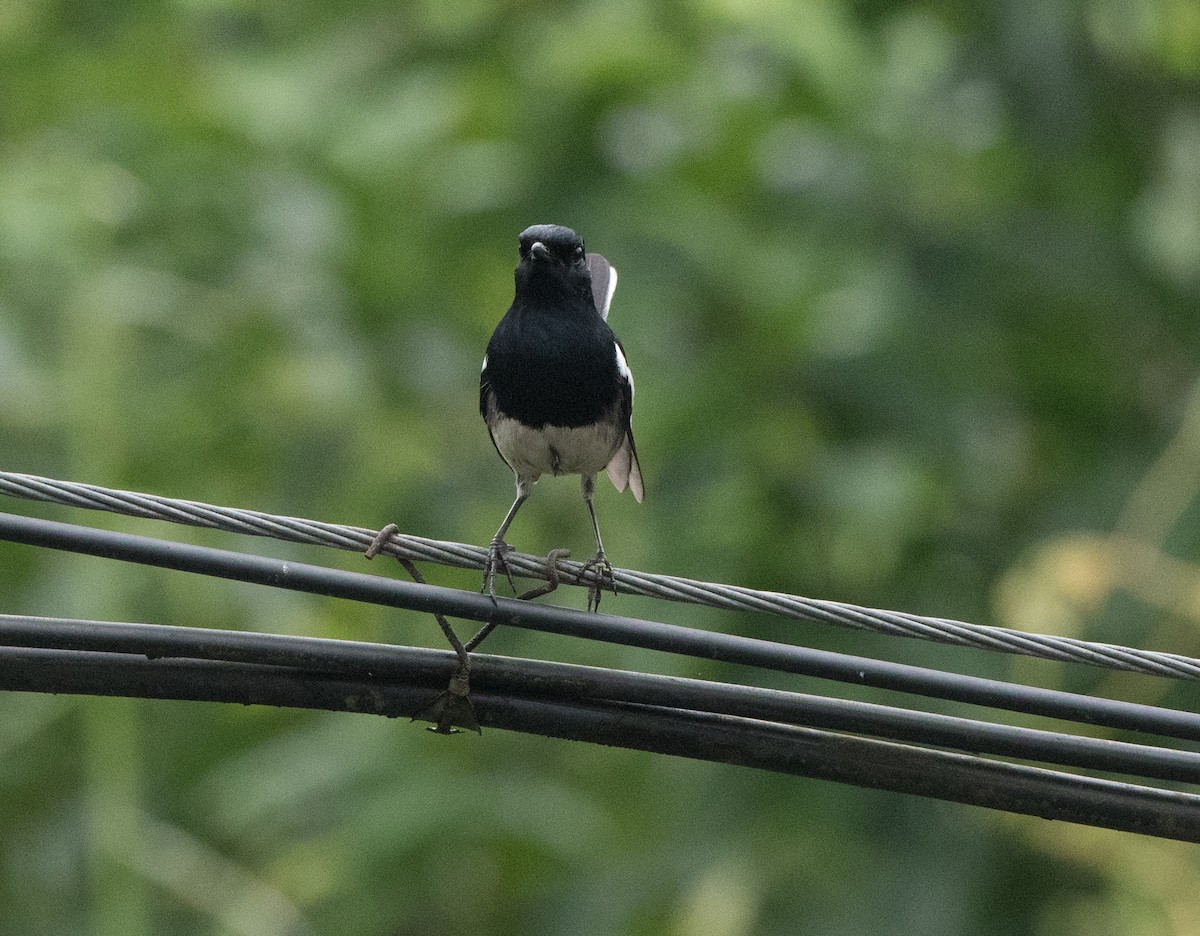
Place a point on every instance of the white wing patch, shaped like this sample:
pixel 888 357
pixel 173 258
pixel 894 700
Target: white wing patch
pixel 482 369
pixel 623 370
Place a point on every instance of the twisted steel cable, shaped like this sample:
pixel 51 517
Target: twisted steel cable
pixel 672 588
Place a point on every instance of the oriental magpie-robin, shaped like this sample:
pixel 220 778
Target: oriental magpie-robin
pixel 556 392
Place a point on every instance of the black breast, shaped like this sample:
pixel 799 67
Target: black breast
pixel 553 367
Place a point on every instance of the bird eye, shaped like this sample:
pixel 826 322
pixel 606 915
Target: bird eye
pixel 578 251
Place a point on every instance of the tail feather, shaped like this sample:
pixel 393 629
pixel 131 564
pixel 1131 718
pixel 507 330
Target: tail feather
pixel 624 471
pixel 604 282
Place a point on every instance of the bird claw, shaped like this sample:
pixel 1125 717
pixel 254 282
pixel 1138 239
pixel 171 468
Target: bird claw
pixel 496 561
pixel 604 568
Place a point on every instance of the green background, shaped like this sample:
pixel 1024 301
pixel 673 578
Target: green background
pixel 910 291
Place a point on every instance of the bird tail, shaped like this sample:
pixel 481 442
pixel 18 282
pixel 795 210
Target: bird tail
pixel 624 471
pixel 604 282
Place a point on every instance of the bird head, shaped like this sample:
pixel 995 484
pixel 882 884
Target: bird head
pixel 553 246
pixel 554 266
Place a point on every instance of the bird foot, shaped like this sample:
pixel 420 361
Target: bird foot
pixel 496 562
pixel 452 710
pixel 604 575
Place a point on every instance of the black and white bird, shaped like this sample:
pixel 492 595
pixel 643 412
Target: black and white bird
pixel 556 392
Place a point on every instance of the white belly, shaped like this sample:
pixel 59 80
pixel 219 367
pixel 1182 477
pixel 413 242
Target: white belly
pixel 555 449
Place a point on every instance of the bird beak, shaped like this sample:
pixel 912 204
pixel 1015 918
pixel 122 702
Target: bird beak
pixel 539 251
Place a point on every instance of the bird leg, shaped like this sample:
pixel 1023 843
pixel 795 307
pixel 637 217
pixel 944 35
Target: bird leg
pixel 497 548
pixel 599 562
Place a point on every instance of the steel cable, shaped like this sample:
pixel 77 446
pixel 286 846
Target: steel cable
pixel 673 588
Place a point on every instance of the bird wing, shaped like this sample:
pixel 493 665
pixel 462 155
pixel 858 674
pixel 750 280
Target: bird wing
pixel 487 407
pixel 484 386
pixel 604 282
pixel 623 468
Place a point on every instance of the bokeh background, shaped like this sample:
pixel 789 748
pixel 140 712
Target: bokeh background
pixel 910 290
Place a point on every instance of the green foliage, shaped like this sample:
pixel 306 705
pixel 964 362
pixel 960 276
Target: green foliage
pixel 910 293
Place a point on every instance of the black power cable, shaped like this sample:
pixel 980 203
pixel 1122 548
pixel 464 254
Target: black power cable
pixel 565 683
pixel 770 729
pixel 604 627
pixel 726 739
